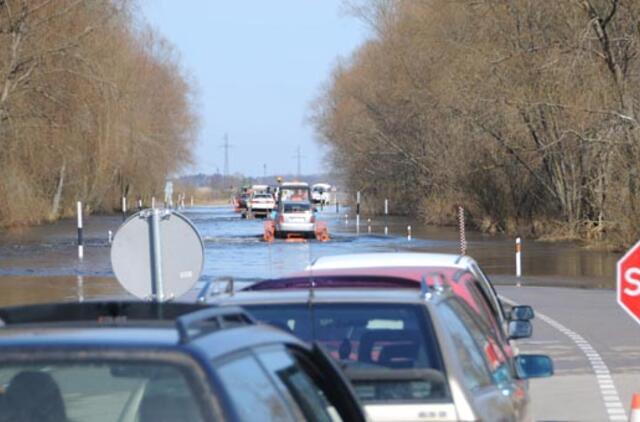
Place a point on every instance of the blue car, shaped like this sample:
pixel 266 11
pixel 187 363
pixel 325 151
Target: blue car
pixel 145 361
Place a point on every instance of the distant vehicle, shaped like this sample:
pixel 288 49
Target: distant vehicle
pixel 260 189
pixel 143 362
pixel 321 193
pixel 411 354
pixel 240 200
pixel 294 192
pixel 294 215
pixel 260 204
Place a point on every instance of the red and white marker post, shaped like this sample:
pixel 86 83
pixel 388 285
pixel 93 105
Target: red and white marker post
pixel 628 282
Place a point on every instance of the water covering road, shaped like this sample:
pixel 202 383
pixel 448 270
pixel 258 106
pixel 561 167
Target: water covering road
pixel 40 263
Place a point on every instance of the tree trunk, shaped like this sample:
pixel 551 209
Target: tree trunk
pixel 55 206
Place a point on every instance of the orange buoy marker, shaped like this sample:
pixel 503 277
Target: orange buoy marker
pixel 634 416
pixel 269 231
pixel 321 232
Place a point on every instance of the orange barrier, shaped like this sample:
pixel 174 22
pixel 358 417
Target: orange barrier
pixel 269 231
pixel 634 416
pixel 322 233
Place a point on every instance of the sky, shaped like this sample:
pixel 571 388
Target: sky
pixel 258 65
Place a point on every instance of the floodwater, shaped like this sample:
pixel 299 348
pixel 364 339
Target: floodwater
pixel 40 264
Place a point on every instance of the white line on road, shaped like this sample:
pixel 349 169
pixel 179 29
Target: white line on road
pixel 608 392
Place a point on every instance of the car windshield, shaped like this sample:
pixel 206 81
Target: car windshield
pixel 95 391
pixel 294 193
pixel 263 196
pixel 297 207
pixel 389 351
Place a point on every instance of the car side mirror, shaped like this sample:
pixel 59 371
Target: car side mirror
pixel 520 329
pixel 533 366
pixel 521 313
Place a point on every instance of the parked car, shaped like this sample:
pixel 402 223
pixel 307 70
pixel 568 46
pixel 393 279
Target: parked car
pixel 462 283
pixel 139 362
pixel 417 262
pixel 411 354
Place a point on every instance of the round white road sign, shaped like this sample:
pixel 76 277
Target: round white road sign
pixel 181 255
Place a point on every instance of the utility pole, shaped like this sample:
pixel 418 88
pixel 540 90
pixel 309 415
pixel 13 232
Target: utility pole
pixel 264 172
pixel 226 147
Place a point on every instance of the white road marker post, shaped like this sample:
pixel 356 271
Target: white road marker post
pixel 386 213
pixel 153 202
pixel 409 233
pixel 124 207
pixel 518 260
pixel 139 204
pixel 110 236
pixel 80 288
pixel 191 201
pixel 346 219
pixel 368 225
pixel 80 240
pixel 358 212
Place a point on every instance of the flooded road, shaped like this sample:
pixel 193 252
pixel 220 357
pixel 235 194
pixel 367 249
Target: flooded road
pixel 40 263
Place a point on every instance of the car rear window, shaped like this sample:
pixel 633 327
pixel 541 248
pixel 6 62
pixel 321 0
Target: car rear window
pixel 297 207
pixel 95 391
pixel 388 350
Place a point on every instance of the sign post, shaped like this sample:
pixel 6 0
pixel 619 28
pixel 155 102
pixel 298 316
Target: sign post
pixel 628 282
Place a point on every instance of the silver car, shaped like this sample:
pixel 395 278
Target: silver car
pixel 295 217
pixel 412 355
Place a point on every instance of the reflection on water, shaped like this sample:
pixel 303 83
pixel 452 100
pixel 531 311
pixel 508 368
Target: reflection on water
pixel 15 290
pixel 40 263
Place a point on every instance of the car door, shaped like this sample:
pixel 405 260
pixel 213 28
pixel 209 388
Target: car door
pixel 500 363
pixel 311 383
pixel 473 368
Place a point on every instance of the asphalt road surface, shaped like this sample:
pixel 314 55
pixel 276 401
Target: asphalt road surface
pixel 595 347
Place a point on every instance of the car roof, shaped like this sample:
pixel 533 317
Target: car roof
pixel 451 276
pixel 340 295
pixel 297 202
pixel 294 184
pixel 70 331
pixel 391 259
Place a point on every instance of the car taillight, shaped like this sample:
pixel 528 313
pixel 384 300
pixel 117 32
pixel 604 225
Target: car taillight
pixel 281 218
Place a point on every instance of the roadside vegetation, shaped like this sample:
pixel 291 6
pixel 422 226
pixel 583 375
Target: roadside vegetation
pixel 523 111
pixel 93 105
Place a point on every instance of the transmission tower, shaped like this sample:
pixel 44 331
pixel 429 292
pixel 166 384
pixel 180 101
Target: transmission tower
pixel 226 147
pixel 299 157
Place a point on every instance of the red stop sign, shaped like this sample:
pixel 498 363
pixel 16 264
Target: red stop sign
pixel 628 282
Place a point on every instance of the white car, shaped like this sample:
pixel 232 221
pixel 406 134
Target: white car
pixel 320 193
pixel 261 204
